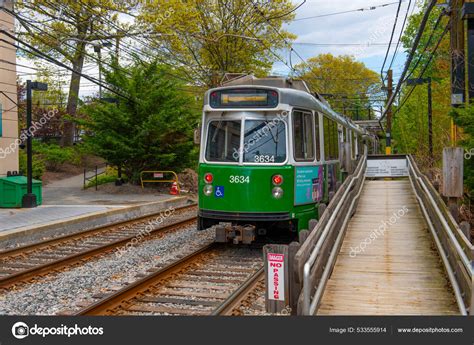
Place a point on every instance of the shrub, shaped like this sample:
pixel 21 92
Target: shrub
pixel 54 155
pixel 39 166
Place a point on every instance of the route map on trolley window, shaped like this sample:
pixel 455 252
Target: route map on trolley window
pixel 308 185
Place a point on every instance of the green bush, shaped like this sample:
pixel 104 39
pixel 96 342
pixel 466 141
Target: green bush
pixel 153 131
pixel 39 166
pixel 54 155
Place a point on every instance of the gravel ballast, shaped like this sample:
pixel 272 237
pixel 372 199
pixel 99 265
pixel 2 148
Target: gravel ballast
pixel 70 290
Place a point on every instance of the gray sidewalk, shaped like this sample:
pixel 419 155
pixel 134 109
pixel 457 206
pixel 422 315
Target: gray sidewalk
pixel 66 200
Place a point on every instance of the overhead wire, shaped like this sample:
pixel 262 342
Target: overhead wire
pixel 410 57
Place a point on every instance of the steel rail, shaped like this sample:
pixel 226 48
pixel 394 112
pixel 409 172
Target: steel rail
pixel 76 235
pixel 75 258
pixel 128 292
pixel 229 304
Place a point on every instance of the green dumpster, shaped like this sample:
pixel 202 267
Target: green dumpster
pixel 13 188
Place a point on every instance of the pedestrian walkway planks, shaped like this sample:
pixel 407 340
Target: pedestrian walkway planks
pixel 397 271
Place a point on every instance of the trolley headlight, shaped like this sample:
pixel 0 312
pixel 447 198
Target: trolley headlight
pixel 277 192
pixel 207 190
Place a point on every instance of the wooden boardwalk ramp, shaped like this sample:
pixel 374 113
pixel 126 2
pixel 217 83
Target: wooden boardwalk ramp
pixel 388 264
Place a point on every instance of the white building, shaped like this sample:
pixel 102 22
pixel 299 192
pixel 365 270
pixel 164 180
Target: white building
pixel 8 94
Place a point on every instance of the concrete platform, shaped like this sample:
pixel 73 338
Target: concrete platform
pixel 21 226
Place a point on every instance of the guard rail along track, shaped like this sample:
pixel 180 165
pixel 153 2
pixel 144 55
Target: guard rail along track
pixel 210 281
pixel 315 260
pixel 38 259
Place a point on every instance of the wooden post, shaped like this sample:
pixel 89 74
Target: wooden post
pixel 466 229
pixel 295 287
pixel 453 175
pixel 277 292
pixel 302 236
pixel 312 224
pixel 321 209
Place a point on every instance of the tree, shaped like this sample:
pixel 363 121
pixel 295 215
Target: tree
pixel 210 38
pixel 63 29
pixel 345 82
pixel 155 132
pixel 410 123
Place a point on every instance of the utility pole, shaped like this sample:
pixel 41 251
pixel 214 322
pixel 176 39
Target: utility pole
pixel 29 199
pixel 97 49
pixel 430 120
pixel 458 81
pixel 388 146
pixel 468 15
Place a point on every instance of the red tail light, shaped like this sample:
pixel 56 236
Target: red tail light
pixel 277 180
pixel 208 178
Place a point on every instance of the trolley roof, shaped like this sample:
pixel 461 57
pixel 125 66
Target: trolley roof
pixel 292 92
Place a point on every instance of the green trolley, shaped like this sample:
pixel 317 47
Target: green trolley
pixel 271 153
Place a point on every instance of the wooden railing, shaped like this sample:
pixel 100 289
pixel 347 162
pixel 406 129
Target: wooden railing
pixel 456 251
pixel 315 259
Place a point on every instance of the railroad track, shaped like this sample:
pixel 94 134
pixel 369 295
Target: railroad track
pixel 211 281
pixel 24 263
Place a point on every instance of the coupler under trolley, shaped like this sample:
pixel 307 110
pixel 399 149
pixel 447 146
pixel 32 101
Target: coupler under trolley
pixel 227 232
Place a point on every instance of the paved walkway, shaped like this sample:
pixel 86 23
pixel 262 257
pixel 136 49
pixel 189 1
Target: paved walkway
pixel 70 192
pixel 65 200
pixel 18 218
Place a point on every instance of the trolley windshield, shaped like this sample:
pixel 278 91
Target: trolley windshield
pixel 264 142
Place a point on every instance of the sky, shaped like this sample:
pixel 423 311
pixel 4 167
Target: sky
pixel 363 34
pixel 369 29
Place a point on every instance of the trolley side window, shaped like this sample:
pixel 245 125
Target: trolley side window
pixel 264 142
pixel 223 141
pixel 303 136
pixel 318 138
pixel 331 142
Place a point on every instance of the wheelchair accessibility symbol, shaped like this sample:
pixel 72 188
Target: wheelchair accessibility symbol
pixel 219 193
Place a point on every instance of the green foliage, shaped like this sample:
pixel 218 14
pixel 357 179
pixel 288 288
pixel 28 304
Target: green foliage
pixel 154 132
pixel 348 82
pixel 39 166
pixel 211 38
pixel 53 155
pixel 410 123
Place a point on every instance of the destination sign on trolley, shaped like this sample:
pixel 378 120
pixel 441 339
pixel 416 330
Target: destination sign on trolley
pixel 240 98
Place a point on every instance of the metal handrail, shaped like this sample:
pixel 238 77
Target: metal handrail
pixel 95 176
pixel 308 306
pixel 160 181
pixel 464 259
